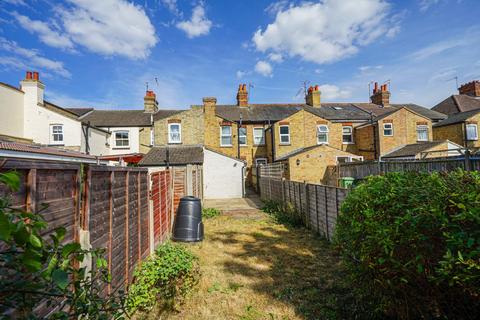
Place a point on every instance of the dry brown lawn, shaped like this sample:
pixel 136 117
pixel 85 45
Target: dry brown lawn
pixel 253 268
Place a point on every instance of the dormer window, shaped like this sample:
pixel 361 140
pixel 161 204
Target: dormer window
pixel 56 134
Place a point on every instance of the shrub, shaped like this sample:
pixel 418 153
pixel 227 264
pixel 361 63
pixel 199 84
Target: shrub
pixel 208 213
pixel 412 243
pixel 286 215
pixel 165 278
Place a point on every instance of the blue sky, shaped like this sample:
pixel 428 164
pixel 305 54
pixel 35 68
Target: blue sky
pixel 101 53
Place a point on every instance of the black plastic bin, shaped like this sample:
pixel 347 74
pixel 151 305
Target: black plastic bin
pixel 188 226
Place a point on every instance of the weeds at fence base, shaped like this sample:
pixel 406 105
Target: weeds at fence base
pixel 282 214
pixel 208 213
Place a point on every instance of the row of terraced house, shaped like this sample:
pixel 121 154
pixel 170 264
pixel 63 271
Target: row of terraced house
pixel 230 140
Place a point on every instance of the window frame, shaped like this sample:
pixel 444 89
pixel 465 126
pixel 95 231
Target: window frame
pixel 284 134
pixel 222 135
pixel 262 159
pixel 325 132
pixel 240 136
pixel 170 141
pixel 52 134
pixel 115 139
pixel 391 129
pixel 476 131
pixel 351 135
pixel 417 130
pixel 262 130
pixel 349 158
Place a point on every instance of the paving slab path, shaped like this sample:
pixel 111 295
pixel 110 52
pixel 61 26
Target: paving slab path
pixel 254 268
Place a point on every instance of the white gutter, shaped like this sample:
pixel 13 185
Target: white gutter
pixel 49 157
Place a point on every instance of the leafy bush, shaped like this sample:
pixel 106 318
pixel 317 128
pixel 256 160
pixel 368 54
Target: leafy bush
pixel 412 243
pixel 35 271
pixel 286 215
pixel 165 278
pixel 210 213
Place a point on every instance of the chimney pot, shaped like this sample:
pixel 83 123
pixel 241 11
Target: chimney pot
pixel 382 96
pixel 316 87
pixel 36 76
pixel 375 88
pixel 242 95
pixel 28 75
pixel 313 96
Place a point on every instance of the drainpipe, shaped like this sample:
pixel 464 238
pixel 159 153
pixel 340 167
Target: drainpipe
pixel 375 153
pixel 85 127
pixel 272 138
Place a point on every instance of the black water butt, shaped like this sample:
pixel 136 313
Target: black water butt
pixel 188 226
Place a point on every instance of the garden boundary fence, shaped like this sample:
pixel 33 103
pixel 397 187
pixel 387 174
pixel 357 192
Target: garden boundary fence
pixel 318 205
pixel 100 206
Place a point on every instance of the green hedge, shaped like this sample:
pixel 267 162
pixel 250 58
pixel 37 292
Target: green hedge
pixel 412 243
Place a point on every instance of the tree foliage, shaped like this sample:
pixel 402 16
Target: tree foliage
pixel 412 243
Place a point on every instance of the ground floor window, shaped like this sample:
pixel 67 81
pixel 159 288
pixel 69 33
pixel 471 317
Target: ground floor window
pixel 260 161
pixel 472 131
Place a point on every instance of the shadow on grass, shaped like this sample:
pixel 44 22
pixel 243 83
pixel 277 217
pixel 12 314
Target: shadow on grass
pixel 294 266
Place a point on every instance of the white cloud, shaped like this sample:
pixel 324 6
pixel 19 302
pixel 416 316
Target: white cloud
pixel 264 68
pixel 29 59
pixel 275 57
pixel 439 47
pixel 46 34
pixel 107 27
pixel 172 6
pixel 426 4
pixel 369 70
pixel 240 74
pixel 198 25
pixel 275 7
pixel 327 31
pixel 332 92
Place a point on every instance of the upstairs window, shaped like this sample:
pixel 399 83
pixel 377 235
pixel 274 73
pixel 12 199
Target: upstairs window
pixel 472 131
pixel 242 136
pixel 347 134
pixel 260 161
pixel 388 129
pixel 322 134
pixel 56 134
pixel 121 139
pixel 174 133
pixel 422 132
pixel 258 136
pixel 284 134
pixel 226 136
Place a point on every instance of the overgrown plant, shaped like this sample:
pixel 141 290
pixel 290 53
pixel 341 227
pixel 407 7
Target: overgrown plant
pixel 210 213
pixel 412 243
pixel 283 214
pixel 165 279
pixel 37 275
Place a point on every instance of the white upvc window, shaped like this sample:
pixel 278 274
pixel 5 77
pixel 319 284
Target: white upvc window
pixel 260 161
pixel 226 136
pixel 472 131
pixel 345 159
pixel 121 139
pixel 152 137
pixel 174 133
pixel 422 132
pixel 347 134
pixel 258 136
pixel 388 129
pixel 242 136
pixel 322 134
pixel 284 134
pixel 56 134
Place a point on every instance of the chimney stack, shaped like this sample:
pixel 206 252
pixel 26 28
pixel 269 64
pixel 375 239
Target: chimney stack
pixel 380 96
pixel 313 96
pixel 471 88
pixel 150 102
pixel 34 89
pixel 242 95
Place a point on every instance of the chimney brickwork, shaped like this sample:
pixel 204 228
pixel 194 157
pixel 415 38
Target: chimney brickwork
pixel 313 96
pixel 150 102
pixel 242 96
pixel 470 88
pixel 380 96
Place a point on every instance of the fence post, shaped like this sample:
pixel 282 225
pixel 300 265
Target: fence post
pixel 139 220
pixel 307 205
pixel 283 191
pixel 468 163
pixel 110 240
pixel 127 175
pixel 326 212
pixel 316 209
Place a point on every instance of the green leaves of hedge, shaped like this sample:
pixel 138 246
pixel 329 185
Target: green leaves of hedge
pixel 412 242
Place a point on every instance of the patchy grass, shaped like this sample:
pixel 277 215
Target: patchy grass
pixel 255 268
